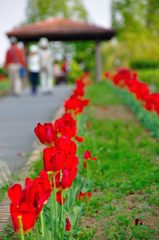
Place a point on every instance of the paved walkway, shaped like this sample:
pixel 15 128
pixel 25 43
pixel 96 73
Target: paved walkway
pixel 18 117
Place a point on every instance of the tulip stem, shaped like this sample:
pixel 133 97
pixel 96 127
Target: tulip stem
pixel 52 216
pixel 88 172
pixel 31 235
pixel 69 191
pixel 55 205
pixel 42 223
pixel 21 227
pixel 53 229
pixel 62 214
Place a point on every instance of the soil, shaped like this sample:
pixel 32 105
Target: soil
pixel 119 112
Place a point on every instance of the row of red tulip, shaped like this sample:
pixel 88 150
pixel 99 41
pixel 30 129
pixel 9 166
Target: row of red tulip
pixel 125 78
pixel 60 167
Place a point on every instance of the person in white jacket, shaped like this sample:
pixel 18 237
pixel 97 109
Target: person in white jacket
pixel 34 67
pixel 46 67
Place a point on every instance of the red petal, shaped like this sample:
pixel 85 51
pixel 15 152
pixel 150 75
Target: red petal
pixel 14 193
pixel 59 198
pixel 68 224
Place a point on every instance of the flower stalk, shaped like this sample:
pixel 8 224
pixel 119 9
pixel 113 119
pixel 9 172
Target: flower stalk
pixel 21 227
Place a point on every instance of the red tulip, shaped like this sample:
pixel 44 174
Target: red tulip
pixel 79 139
pixel 79 90
pixel 68 177
pixel 106 74
pixel 87 156
pixel 68 224
pixel 28 217
pixel 75 104
pixel 84 195
pixel 66 145
pixel 28 202
pixel 43 188
pixel 59 198
pixel 45 133
pixel 24 206
pixel 66 126
pixel 53 159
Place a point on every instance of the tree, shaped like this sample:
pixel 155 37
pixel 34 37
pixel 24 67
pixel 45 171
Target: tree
pixel 135 16
pixel 39 9
pixel 152 14
pixel 137 28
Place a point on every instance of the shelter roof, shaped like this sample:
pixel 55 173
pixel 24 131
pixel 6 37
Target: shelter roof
pixel 61 29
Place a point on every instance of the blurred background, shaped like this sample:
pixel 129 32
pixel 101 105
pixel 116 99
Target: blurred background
pixel 136 23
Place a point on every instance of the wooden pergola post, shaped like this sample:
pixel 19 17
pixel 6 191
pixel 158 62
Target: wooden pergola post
pixel 98 62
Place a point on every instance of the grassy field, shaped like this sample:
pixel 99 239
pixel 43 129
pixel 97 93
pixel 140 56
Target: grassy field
pixel 4 86
pixel 125 177
pixel 150 76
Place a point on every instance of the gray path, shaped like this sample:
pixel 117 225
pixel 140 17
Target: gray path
pixel 18 117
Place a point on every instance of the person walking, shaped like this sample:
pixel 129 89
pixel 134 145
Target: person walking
pixel 65 69
pixel 34 67
pixel 46 66
pixel 14 61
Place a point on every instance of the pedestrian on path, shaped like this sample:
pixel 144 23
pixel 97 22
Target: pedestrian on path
pixel 14 61
pixel 65 69
pixel 34 67
pixel 46 66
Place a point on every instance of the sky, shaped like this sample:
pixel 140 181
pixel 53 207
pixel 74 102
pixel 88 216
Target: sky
pixel 13 13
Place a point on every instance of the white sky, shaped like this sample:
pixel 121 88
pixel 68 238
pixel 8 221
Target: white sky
pixel 13 13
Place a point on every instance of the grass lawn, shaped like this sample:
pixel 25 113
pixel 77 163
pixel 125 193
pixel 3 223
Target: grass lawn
pixel 151 77
pixel 4 86
pixel 125 178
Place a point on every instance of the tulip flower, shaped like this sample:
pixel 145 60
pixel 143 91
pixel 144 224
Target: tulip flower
pixel 79 90
pixel 43 188
pixel 59 198
pixel 23 203
pixel 79 139
pixel 106 74
pixel 66 145
pixel 75 105
pixel 45 133
pixel 87 156
pixel 66 126
pixel 28 202
pixel 68 176
pixel 68 224
pixel 52 159
pixel 84 195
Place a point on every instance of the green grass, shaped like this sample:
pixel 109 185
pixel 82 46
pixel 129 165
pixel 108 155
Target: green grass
pixel 150 76
pixel 4 86
pixel 3 190
pixel 126 174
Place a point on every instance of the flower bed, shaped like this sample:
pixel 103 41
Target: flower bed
pixel 120 199
pixel 46 207
pixel 138 96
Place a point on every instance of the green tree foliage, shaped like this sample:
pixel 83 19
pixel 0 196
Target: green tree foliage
pixel 134 16
pixel 128 15
pixel 41 9
pixel 137 28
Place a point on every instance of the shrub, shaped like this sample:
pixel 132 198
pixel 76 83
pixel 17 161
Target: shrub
pixel 150 76
pixel 144 64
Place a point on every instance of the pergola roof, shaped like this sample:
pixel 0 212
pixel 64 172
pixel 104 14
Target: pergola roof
pixel 61 29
